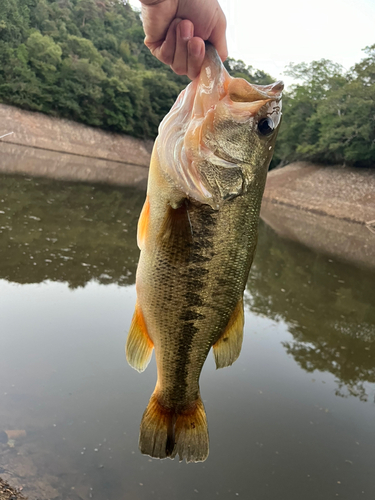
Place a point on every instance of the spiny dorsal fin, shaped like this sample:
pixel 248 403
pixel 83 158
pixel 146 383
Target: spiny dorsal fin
pixel 228 347
pixel 138 345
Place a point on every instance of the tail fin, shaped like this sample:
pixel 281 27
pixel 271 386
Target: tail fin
pixel 167 433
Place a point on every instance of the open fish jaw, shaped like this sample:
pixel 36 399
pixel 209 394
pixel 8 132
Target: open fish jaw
pixel 214 121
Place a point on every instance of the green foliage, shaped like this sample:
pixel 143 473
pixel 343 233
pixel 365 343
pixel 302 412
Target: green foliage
pixel 15 19
pixel 329 117
pixel 86 60
pixel 82 49
pixel 44 55
pixel 238 69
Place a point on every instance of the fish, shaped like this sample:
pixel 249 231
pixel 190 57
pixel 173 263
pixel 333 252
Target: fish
pixel 197 234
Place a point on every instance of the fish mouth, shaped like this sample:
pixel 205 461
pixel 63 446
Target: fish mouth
pixel 193 131
pixel 247 99
pixel 244 100
pixel 214 74
pixel 241 90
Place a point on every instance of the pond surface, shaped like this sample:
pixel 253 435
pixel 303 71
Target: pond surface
pixel 293 418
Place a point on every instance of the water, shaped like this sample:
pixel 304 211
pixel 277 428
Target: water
pixel 293 418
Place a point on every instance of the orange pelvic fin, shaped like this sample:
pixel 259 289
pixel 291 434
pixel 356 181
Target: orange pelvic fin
pixel 143 223
pixel 228 347
pixel 167 433
pixel 138 345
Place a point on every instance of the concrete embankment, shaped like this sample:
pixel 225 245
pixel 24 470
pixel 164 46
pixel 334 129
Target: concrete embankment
pixel 40 145
pixel 329 209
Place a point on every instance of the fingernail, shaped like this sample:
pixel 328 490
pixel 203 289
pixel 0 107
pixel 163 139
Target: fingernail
pixel 186 30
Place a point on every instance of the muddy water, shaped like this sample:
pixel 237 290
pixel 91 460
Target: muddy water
pixel 293 418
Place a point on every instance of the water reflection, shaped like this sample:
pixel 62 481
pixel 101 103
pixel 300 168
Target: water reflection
pixel 76 233
pixel 67 232
pixel 63 376
pixel 327 305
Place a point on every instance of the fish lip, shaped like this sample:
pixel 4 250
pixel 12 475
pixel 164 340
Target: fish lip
pixel 240 90
pixel 272 91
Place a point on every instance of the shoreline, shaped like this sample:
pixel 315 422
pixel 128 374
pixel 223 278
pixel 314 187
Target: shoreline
pixel 43 146
pixel 328 209
pixel 36 130
pixel 334 203
pixel 7 492
pixel 342 192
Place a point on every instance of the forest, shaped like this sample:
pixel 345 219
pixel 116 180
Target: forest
pixel 85 60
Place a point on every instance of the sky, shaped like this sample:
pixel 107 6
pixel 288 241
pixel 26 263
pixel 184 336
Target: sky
pixel 270 34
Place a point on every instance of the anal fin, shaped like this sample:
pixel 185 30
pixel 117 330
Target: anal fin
pixel 228 347
pixel 138 345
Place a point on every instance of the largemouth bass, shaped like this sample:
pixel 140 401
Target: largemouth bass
pixel 197 233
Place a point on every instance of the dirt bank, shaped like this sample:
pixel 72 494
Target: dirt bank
pixel 341 192
pixel 35 162
pixel 40 145
pixel 65 136
pixel 329 209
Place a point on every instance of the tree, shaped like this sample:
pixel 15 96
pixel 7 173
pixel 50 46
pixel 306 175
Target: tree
pixel 44 55
pixel 86 60
pixel 83 49
pixel 329 116
pixel 238 69
pixel 14 20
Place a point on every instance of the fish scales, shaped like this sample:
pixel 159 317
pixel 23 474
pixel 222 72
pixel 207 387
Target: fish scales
pixel 212 273
pixel 197 234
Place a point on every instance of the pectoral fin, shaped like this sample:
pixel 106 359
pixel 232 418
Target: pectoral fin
pixel 139 345
pixel 176 234
pixel 228 347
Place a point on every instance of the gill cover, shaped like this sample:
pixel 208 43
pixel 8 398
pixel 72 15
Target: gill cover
pixel 189 135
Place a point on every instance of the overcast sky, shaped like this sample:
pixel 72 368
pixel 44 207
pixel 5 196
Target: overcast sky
pixel 270 34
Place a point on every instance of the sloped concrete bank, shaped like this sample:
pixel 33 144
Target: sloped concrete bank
pixel 40 145
pixel 329 209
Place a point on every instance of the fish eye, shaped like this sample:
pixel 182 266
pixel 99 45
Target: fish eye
pixel 266 126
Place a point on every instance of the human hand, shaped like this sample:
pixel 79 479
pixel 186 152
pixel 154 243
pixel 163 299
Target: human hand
pixel 176 30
